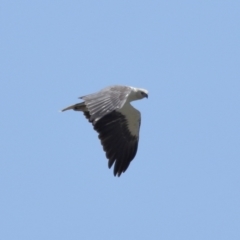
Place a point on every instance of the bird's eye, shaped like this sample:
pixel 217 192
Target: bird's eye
pixel 143 94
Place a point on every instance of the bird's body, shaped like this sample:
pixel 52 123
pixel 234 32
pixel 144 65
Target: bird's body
pixel 133 119
pixel 116 121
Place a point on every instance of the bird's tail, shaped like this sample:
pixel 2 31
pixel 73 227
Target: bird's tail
pixel 76 107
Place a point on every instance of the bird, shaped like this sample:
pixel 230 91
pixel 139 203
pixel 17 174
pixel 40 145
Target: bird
pixel 116 121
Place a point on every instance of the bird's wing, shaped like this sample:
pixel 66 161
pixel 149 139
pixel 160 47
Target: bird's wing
pixel 119 136
pixel 106 101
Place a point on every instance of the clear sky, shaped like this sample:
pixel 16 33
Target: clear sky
pixel 184 183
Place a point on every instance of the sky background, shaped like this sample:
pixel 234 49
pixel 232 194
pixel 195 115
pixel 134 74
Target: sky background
pixel 184 182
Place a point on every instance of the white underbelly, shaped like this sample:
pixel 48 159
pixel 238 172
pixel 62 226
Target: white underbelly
pixel 133 117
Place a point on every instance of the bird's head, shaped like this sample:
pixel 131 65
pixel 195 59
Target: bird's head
pixel 137 94
pixel 142 93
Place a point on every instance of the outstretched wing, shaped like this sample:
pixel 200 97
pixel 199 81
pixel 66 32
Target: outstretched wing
pixel 119 136
pixel 106 101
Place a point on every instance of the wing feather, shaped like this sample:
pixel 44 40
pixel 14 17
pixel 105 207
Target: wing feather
pixel 106 101
pixel 117 141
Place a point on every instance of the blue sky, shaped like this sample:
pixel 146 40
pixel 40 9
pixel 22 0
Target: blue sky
pixel 183 183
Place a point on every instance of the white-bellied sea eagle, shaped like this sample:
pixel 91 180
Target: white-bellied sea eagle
pixel 116 121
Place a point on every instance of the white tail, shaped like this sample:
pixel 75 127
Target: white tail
pixel 76 107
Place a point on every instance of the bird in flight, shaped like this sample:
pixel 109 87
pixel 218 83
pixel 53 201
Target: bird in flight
pixel 116 121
